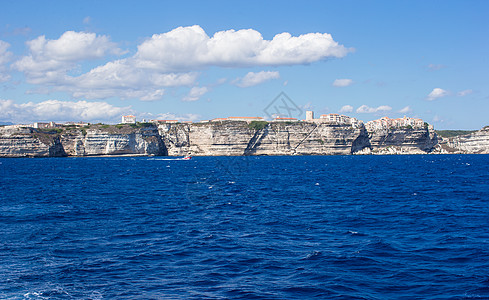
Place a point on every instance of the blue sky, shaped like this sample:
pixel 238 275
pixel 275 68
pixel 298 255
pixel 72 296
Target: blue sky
pixel 197 60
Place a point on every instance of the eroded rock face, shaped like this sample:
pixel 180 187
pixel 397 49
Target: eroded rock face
pixel 477 143
pixel 401 141
pixel 236 138
pixel 29 142
pixel 210 139
pixel 102 141
pixel 233 138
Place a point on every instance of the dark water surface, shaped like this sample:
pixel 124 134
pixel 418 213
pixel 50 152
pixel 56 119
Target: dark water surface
pixel 302 227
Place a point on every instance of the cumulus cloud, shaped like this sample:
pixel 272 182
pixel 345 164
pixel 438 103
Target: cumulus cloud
pixel 464 93
pixel 188 48
pixel 252 78
pixel 163 61
pixel 123 79
pixel 437 93
pixel 195 93
pixel 342 82
pixel 60 111
pixel 346 109
pixel 405 110
pixel 368 110
pixel 49 60
pixel 5 57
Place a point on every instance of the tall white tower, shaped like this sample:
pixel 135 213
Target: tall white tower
pixel 309 115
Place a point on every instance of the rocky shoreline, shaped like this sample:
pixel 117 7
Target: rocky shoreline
pixel 232 138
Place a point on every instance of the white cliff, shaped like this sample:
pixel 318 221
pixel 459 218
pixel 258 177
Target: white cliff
pixel 28 142
pixel 239 138
pixel 233 138
pixel 104 140
pixel 401 141
pixel 475 143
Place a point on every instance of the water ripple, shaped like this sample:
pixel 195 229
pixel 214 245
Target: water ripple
pixel 340 227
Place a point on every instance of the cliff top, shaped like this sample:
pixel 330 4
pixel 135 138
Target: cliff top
pixel 453 133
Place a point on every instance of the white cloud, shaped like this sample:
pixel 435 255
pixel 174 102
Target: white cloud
pixel 435 67
pixel 308 106
pixel 190 48
pixel 437 93
pixel 150 96
pixel 464 93
pixel 60 111
pixel 221 81
pixel 63 111
pixel 285 49
pixel 342 82
pixel 252 78
pixel 142 94
pixel 72 46
pixel 16 31
pixel 49 60
pixel 368 110
pixel 406 110
pixel 346 109
pixel 365 109
pixel 384 108
pixel 163 61
pixel 123 79
pixel 170 116
pixel 5 57
pixel 195 93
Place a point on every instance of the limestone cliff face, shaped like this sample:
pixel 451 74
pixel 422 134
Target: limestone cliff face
pixel 306 139
pixel 215 138
pixel 236 138
pixel 232 138
pixel 112 141
pixel 476 143
pixel 401 141
pixel 29 142
pixel 96 140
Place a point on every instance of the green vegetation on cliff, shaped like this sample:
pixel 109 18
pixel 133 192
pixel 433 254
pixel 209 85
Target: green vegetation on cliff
pixel 452 133
pixel 257 125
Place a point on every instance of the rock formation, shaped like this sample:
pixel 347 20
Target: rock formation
pixel 401 141
pixel 113 140
pixel 238 138
pixel 474 143
pixel 69 141
pixel 29 142
pixel 232 138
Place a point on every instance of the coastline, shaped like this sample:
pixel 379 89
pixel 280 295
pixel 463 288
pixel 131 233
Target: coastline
pixel 234 138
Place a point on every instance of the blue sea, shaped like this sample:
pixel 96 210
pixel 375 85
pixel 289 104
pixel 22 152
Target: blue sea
pixel 298 227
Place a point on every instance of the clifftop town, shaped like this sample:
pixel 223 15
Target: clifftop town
pixel 382 123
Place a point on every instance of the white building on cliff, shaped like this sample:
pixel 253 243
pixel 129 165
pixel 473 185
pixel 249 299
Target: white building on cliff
pixel 386 123
pixel 334 119
pixel 129 119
